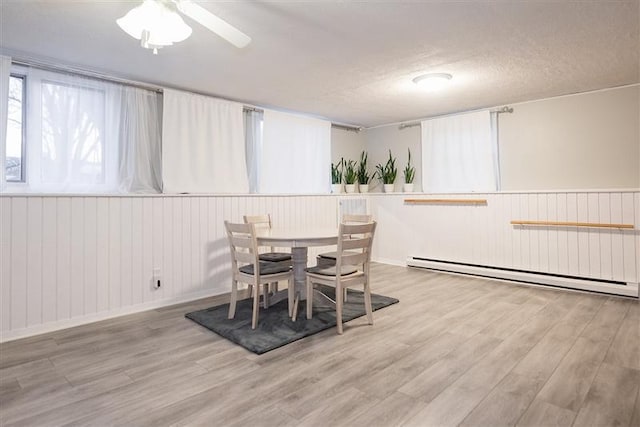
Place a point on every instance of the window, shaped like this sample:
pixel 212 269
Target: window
pixel 16 113
pixel 70 133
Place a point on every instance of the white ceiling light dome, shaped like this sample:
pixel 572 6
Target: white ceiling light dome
pixel 433 81
pixel 155 24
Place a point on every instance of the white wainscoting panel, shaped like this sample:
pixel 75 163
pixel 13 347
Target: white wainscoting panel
pixel 67 260
pixel 482 234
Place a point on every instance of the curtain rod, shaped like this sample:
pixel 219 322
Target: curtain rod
pixel 505 109
pixel 333 125
pixel 68 69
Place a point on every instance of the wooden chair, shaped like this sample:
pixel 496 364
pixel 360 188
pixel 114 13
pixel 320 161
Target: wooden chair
pixel 271 255
pixel 351 269
pixel 247 268
pixel 329 258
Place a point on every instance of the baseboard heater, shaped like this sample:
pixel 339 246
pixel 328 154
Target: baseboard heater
pixel 528 277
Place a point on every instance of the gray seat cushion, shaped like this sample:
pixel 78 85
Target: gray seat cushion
pixel 267 268
pixel 331 271
pixel 275 256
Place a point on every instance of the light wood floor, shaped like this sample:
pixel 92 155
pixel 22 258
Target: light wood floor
pixel 455 351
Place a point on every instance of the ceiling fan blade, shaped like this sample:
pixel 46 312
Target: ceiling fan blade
pixel 213 23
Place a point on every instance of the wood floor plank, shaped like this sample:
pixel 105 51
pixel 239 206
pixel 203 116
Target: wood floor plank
pixel 570 382
pixel 455 351
pixel 429 383
pixel 611 398
pixel 541 413
pixel 625 348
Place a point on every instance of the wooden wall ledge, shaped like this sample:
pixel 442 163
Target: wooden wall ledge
pixel 446 201
pixel 571 224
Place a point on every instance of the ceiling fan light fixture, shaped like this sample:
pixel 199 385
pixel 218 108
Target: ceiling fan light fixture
pixel 433 81
pixel 155 24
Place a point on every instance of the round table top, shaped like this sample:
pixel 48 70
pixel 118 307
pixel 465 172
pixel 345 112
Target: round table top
pixel 298 237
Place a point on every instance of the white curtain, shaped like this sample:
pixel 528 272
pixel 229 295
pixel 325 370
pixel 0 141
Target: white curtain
pixel 296 154
pixel 203 147
pixel 138 120
pixel 253 121
pixel 459 154
pixel 5 73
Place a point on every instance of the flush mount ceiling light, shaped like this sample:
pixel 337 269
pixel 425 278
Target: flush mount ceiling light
pixel 157 23
pixel 433 81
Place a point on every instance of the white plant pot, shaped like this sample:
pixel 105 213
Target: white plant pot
pixel 336 188
pixel 364 188
pixel 388 188
pixel 350 188
pixel 408 188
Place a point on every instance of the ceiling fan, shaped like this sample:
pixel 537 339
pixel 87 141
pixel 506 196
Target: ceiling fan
pixel 157 23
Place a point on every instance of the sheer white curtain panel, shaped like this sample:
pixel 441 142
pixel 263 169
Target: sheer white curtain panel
pixel 253 121
pixel 296 154
pixel 459 154
pixel 5 73
pixel 138 120
pixel 70 146
pixel 203 146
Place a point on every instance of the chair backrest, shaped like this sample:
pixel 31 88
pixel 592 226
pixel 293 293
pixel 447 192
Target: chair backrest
pixel 354 244
pixel 260 222
pixel 243 245
pixel 356 219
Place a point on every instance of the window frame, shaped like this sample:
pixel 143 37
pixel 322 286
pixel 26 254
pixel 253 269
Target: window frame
pixel 23 153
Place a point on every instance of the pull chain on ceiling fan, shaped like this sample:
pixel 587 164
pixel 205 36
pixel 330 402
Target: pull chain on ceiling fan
pixel 157 23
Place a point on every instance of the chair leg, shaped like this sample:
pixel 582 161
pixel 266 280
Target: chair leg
pixel 367 302
pixel 339 307
pixel 256 307
pixel 274 287
pixel 309 298
pixel 234 299
pixel 291 293
pixel 265 295
pixel 295 307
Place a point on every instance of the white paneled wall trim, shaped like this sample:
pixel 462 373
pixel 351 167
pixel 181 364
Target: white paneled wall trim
pixel 68 260
pixel 482 235
pixel 72 259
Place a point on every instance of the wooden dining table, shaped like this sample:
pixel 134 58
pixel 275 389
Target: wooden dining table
pixel 299 240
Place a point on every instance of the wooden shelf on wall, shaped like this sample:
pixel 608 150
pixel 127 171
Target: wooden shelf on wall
pixel 446 201
pixel 571 224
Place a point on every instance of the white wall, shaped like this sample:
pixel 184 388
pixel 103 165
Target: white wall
pixel 346 144
pixel 583 141
pixel 378 142
pixel 590 140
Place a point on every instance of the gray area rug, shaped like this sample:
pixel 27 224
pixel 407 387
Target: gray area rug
pixel 275 328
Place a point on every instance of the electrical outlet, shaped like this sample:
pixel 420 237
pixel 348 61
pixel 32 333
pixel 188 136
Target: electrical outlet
pixel 156 281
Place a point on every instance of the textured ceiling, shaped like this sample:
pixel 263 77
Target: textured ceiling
pixel 352 62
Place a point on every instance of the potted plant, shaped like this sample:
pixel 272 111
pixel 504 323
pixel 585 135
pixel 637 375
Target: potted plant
pixel 387 173
pixel 364 178
pixel 350 176
pixel 409 175
pixel 336 176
